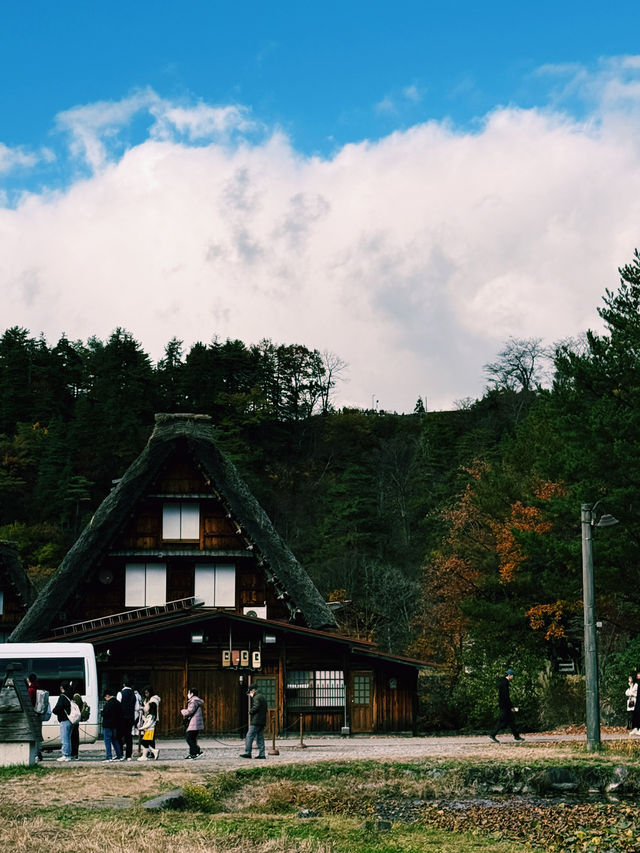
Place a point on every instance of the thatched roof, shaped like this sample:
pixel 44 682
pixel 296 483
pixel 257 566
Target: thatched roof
pixel 281 567
pixel 12 570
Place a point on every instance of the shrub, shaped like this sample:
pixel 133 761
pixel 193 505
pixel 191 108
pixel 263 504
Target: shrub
pixel 561 698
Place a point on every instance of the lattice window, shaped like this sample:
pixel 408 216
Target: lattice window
pixel 267 686
pixel 329 687
pixel 361 689
pixel 322 688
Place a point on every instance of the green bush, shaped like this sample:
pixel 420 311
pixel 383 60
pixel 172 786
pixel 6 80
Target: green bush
pixel 474 698
pixel 561 699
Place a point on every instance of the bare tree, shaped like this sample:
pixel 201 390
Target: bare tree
pixel 523 365
pixel 333 367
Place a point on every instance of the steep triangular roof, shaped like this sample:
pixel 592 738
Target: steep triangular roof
pixel 11 568
pixel 281 567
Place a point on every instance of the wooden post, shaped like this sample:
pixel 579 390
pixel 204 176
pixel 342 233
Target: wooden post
pixel 274 725
pixel 302 744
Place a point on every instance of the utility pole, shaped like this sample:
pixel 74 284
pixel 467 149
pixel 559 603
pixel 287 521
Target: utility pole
pixel 590 647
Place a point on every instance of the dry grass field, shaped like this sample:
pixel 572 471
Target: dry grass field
pixel 372 805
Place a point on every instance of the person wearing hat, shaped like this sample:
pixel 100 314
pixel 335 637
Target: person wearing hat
pixel 257 722
pixel 505 716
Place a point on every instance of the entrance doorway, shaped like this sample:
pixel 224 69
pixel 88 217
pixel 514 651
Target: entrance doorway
pixel 362 701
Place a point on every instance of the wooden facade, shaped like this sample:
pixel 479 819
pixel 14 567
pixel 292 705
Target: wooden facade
pixel 180 580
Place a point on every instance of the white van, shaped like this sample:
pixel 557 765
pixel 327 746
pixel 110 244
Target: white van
pixel 54 663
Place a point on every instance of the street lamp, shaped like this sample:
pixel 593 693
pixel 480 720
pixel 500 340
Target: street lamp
pixel 590 647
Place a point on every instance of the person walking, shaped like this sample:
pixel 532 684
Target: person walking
pixel 111 726
pixel 257 722
pixel 194 722
pixel 505 715
pixel 61 710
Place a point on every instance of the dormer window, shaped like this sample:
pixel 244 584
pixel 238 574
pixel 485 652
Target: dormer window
pixel 145 584
pixel 181 520
pixel 215 584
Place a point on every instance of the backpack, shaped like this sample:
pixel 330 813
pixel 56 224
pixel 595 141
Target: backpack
pixel 42 705
pixel 74 713
pixel 86 710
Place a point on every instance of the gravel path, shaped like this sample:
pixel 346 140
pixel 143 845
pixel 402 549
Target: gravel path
pixel 225 752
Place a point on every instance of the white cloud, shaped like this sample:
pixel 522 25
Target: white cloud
pixel 16 158
pixel 394 103
pixel 93 126
pixel 413 93
pixel 200 122
pixel 413 258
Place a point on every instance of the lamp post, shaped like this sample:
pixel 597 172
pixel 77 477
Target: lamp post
pixel 590 647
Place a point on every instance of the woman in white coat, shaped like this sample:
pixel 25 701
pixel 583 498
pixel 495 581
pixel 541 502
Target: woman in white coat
pixel 632 694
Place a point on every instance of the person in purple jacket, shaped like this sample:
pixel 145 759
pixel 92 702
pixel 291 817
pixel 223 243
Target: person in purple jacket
pixel 194 722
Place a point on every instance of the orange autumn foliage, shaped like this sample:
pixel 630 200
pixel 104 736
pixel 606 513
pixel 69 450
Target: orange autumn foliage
pixel 548 618
pixel 525 519
pixel 454 573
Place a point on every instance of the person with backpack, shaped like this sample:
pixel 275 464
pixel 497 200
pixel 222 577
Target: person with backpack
pixel 62 710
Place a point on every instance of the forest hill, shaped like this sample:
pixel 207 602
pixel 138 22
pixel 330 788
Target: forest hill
pixel 451 536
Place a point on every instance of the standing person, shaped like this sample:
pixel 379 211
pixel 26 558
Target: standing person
pixel 148 696
pixel 32 690
pixel 257 722
pixel 128 702
pixel 505 717
pixel 61 710
pixel 635 714
pixel 148 732
pixel 632 695
pixel 111 726
pixel 194 722
pixel 75 730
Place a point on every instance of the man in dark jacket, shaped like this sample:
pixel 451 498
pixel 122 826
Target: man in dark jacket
pixel 505 716
pixel 127 699
pixel 111 726
pixel 257 722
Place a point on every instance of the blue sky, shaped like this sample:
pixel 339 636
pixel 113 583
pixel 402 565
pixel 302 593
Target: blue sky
pixel 329 73
pixel 405 184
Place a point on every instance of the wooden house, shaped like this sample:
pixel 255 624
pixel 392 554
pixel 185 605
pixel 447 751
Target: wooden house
pixel 16 590
pixel 180 579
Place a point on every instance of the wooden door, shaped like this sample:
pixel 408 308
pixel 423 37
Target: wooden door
pixel 170 686
pixel 361 701
pixel 224 700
